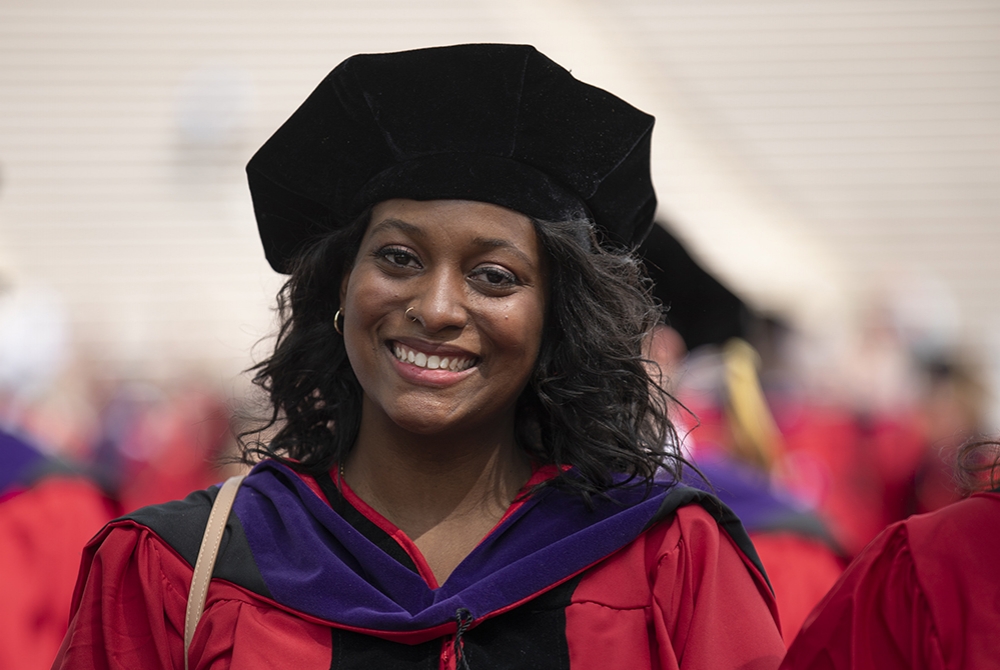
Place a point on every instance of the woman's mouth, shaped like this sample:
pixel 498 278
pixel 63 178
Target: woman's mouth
pixel 452 362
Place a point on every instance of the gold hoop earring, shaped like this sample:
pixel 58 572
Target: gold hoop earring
pixel 407 315
pixel 336 316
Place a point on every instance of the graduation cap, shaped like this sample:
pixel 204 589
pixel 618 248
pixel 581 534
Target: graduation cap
pixel 696 304
pixel 497 123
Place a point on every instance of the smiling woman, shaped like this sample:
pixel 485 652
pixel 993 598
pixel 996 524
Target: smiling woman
pixel 471 466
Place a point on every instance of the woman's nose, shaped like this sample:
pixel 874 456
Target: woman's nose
pixel 441 303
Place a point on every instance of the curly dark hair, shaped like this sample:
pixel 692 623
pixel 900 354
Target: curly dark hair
pixel 978 466
pixel 591 402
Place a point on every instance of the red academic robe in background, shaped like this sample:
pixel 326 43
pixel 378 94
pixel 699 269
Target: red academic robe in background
pixel 858 473
pixel 47 515
pixel 801 558
pixel 925 594
pixel 801 569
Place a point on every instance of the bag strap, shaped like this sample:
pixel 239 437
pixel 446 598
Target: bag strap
pixel 207 554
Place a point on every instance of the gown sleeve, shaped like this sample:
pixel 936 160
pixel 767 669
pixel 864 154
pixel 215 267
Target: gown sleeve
pixel 712 607
pixel 128 612
pixel 877 617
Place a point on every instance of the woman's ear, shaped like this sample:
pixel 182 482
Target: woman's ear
pixel 343 284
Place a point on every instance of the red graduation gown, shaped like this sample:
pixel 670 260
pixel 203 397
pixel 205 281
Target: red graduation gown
pixel 680 595
pixel 925 594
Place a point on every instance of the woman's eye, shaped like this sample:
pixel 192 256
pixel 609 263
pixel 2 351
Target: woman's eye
pixel 398 257
pixel 495 277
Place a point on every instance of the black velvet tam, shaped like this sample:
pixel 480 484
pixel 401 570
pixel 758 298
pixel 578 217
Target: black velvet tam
pixel 697 305
pixel 495 123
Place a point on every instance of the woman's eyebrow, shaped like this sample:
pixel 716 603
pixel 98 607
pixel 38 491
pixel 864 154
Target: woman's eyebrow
pixel 397 224
pixel 500 243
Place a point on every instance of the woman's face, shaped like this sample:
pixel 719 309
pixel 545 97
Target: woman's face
pixel 473 278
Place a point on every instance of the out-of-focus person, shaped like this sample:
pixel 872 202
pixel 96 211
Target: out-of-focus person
pixel 739 449
pixel 952 406
pixel 48 507
pixel 158 442
pixel 875 421
pixel 925 594
pixel 736 444
pixel 48 512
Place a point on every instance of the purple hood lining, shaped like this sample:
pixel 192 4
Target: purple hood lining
pixel 314 561
pixel 19 458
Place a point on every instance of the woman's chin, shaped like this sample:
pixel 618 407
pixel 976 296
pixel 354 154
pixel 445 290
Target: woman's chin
pixel 421 425
pixel 439 422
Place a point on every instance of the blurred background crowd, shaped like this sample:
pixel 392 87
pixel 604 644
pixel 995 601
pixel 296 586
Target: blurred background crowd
pixel 829 186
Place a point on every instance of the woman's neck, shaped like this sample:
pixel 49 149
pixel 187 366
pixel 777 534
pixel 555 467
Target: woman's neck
pixel 417 484
pixel 445 494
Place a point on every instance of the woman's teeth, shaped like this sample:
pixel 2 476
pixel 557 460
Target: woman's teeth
pixel 433 362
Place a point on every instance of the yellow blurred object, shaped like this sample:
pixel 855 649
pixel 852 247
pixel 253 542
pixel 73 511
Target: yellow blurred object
pixel 755 436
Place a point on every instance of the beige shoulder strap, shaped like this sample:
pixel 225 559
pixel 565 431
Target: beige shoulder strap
pixel 206 558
